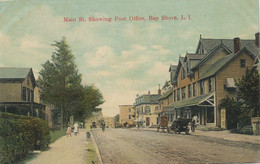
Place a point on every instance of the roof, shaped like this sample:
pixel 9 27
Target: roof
pixel 13 73
pixel 209 44
pixel 189 102
pixel 221 63
pixel 166 94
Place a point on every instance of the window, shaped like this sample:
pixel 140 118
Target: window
pixel 242 63
pixel 189 91
pixel 210 84
pixel 174 96
pixel 29 95
pixel 32 96
pixel 24 94
pixel 183 93
pixel 147 109
pixel 194 87
pixel 178 94
pixel 202 87
pixel 183 74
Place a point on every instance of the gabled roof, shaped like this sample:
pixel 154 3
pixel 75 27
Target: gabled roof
pixel 220 64
pixel 181 63
pixel 211 53
pixel 209 44
pixel 14 73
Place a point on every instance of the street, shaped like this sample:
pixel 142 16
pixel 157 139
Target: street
pixel 133 146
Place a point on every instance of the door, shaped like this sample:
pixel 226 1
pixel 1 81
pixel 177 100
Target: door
pixel 147 121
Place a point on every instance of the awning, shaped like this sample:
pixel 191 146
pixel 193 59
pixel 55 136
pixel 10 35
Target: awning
pixel 206 100
pixel 230 83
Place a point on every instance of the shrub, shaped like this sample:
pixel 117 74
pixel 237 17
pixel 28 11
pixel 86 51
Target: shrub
pixel 19 135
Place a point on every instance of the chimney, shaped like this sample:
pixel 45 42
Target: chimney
pixel 257 35
pixel 237 45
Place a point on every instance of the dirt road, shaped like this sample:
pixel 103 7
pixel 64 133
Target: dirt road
pixel 128 146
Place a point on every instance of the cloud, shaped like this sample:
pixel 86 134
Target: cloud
pixel 102 56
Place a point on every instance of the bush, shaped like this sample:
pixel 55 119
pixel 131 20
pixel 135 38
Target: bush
pixel 19 135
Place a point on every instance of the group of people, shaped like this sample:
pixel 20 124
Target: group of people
pixel 73 129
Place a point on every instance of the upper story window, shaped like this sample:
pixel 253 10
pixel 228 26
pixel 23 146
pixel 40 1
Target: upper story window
pixel 147 109
pixel 183 93
pixel 189 91
pixel 178 95
pixel 202 87
pixel 174 95
pixel 194 87
pixel 242 63
pixel 183 74
pixel 210 84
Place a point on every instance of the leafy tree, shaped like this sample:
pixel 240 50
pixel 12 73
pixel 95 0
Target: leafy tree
pixel 60 79
pixel 248 93
pixel 247 102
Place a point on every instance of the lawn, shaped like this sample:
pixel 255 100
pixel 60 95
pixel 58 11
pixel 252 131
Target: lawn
pixel 57 134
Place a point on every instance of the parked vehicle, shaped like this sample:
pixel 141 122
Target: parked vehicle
pixel 180 125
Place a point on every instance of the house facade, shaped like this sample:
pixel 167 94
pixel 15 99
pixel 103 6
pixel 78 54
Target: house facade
pixel 202 79
pixel 17 92
pixel 126 114
pixel 146 109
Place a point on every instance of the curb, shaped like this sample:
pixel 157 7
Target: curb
pixel 97 150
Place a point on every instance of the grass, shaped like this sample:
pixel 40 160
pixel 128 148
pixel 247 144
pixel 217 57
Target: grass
pixel 91 153
pixel 57 134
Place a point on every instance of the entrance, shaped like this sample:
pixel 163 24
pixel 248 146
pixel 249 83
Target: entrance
pixel 147 121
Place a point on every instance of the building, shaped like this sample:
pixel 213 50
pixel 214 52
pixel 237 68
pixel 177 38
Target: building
pixel 17 92
pixel 110 122
pixel 203 78
pixel 147 108
pixel 126 114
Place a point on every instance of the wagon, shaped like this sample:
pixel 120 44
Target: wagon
pixel 180 125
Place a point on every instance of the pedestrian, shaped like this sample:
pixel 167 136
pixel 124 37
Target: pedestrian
pixel 76 129
pixel 103 125
pixel 69 131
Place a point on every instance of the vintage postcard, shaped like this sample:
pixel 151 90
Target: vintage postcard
pixel 129 81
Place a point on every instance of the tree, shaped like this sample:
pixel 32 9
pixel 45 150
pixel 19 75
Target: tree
pixel 60 79
pixel 247 101
pixel 248 93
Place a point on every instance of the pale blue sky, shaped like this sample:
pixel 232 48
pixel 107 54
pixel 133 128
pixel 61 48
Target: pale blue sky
pixel 122 58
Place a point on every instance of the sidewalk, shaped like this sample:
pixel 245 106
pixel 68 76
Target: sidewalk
pixel 225 135
pixel 64 150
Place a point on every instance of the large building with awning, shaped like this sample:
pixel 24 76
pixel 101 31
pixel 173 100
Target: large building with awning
pixel 203 78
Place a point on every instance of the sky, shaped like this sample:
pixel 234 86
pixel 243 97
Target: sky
pixel 122 58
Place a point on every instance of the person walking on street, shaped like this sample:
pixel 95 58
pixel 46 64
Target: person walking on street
pixel 76 129
pixel 103 126
pixel 69 131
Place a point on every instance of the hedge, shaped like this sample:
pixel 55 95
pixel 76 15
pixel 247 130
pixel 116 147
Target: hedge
pixel 21 134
